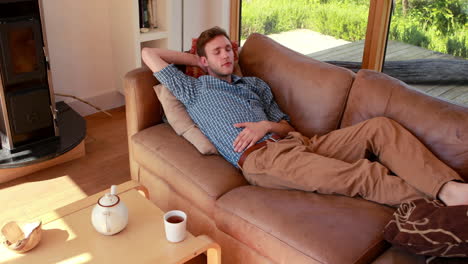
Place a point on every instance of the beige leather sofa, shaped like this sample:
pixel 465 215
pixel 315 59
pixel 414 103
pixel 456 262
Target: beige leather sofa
pixel 258 225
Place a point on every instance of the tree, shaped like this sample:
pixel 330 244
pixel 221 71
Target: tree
pixel 405 6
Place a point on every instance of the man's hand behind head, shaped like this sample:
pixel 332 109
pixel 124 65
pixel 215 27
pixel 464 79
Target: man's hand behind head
pixel 157 59
pixel 152 59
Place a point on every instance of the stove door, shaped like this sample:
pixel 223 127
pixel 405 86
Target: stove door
pixel 21 51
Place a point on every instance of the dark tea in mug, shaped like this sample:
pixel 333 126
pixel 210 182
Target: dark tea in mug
pixel 175 219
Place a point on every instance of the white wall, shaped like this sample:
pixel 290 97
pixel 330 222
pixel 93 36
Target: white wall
pixel 203 14
pixel 79 41
pixel 78 36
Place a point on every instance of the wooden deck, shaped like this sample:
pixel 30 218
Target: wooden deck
pixel 397 51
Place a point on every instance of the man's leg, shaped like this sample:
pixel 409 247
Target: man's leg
pixel 334 163
pixel 396 148
pixel 289 164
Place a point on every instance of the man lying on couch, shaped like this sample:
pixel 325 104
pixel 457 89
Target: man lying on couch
pixel 240 116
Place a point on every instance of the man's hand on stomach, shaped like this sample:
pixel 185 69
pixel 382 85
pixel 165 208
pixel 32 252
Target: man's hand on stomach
pixel 252 132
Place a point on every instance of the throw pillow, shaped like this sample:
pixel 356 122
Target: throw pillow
pixel 428 227
pixel 196 72
pixel 181 122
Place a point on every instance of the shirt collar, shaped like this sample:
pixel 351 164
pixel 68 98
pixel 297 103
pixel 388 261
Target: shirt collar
pixel 235 78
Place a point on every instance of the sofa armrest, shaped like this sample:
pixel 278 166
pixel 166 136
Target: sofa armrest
pixel 142 107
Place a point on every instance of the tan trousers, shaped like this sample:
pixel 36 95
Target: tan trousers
pixel 336 163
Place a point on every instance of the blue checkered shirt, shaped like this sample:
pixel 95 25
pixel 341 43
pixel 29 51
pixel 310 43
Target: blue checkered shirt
pixel 216 105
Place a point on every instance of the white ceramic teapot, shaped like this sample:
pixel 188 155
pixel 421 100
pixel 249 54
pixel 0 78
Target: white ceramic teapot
pixel 110 215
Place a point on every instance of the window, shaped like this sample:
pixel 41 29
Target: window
pixel 403 38
pixel 428 47
pixel 327 30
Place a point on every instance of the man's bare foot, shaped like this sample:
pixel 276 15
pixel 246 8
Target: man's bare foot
pixel 454 193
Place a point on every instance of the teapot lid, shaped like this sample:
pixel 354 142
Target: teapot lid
pixel 109 199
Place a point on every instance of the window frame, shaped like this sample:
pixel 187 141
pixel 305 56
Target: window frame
pixel 378 23
pixel 235 21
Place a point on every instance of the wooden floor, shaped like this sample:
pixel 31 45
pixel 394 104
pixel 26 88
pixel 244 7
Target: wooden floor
pixel 105 163
pixel 400 51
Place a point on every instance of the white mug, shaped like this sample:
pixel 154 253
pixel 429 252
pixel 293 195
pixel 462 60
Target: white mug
pixel 175 225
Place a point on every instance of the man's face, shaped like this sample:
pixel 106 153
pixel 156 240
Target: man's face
pixel 219 57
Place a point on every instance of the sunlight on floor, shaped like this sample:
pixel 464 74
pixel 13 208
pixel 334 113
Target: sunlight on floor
pixel 79 259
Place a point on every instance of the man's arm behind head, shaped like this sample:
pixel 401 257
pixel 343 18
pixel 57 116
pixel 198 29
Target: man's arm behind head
pixel 157 59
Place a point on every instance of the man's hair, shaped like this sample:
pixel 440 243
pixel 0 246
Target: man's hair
pixel 208 35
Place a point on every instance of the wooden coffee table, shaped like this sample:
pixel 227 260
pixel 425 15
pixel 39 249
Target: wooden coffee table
pixel 69 237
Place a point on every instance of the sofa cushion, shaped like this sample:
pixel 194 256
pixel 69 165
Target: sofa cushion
pixel 291 226
pixel 442 126
pixel 311 92
pixel 199 178
pixel 181 122
pixel 427 227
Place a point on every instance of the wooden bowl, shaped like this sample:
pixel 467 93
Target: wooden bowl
pixel 21 239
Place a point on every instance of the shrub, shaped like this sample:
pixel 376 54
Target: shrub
pixel 458 46
pixel 341 20
pixel 346 19
pixel 408 31
pixel 442 15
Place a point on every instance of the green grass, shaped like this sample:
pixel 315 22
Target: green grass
pixel 347 19
pixel 410 31
pixel 341 19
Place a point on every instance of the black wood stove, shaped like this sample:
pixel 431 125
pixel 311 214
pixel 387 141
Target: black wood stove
pixel 30 121
pixel 27 104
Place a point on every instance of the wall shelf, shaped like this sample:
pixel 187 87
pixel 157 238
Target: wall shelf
pixel 153 34
pixel 127 40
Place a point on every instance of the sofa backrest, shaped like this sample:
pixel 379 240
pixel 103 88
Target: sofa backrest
pixel 440 125
pixel 311 92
